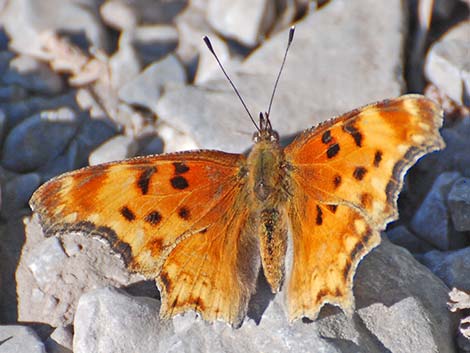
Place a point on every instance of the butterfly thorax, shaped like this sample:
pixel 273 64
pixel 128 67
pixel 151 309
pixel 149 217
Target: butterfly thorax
pixel 268 185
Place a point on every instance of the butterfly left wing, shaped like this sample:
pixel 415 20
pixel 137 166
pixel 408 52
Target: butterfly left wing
pixel 180 218
pixel 346 175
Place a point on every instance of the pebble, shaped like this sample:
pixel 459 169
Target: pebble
pixel 145 88
pixel 119 15
pixel 17 192
pixel 16 339
pixel 402 236
pixel 448 63
pixel 115 149
pixel 153 42
pixel 452 267
pixel 39 139
pixel 459 204
pixel 431 220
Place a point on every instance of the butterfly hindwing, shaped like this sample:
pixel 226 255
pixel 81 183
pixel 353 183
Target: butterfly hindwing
pixel 346 175
pixel 175 217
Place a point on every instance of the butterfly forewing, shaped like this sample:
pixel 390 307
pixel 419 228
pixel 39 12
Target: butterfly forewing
pixel 345 177
pixel 178 218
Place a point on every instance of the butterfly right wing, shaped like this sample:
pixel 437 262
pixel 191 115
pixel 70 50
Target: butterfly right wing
pixel 179 218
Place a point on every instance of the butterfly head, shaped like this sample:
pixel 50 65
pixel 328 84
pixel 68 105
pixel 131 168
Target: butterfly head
pixel 265 131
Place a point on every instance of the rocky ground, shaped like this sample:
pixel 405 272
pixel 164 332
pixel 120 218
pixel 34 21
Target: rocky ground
pixel 84 82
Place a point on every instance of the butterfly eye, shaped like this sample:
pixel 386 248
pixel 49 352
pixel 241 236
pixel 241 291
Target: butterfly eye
pixel 274 136
pixel 256 137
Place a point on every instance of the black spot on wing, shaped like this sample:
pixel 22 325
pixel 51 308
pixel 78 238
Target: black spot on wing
pixel 337 180
pixel 144 179
pixel 332 150
pixel 359 173
pixel 326 137
pixel 153 218
pixel 319 218
pixel 351 129
pixel 180 167
pixel 179 182
pixel 127 213
pixel 184 213
pixel 377 158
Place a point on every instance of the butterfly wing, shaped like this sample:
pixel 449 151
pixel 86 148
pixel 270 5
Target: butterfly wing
pixel 346 176
pixel 177 218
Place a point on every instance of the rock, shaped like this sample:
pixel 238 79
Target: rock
pixel 92 133
pixel 394 314
pixel 60 341
pixel 145 89
pixel 459 204
pixel 207 65
pixel 20 110
pixel 63 163
pixel 448 64
pixel 125 63
pixel 117 148
pixel 118 15
pixel 317 82
pixel 52 274
pixel 12 93
pixel 5 58
pixel 401 236
pixel 452 267
pixel 32 75
pixel 153 42
pixel 104 316
pixel 152 145
pixel 39 139
pixel 25 26
pixel 17 192
pixel 244 21
pixel 14 339
pixel 431 221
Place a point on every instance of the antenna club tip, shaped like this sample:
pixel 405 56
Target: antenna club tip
pixel 291 33
pixel 208 42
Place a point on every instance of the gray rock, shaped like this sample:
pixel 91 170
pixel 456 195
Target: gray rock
pixel 119 15
pixel 152 145
pixel 52 274
pixel 18 339
pixel 20 110
pixel 431 221
pixel 26 20
pixel 145 89
pixel 459 204
pixel 12 93
pixel 92 134
pixel 105 316
pixel 5 58
pixel 125 64
pixel 448 64
pixel 393 314
pixel 33 75
pixel 317 82
pixel 153 42
pixel 401 236
pixel 115 149
pixel 64 162
pixel 245 21
pixel 39 139
pixel 60 341
pixel 450 266
pixel 17 192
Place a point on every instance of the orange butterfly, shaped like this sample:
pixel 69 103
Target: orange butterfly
pixel 202 222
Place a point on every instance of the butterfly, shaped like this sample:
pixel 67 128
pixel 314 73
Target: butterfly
pixel 202 223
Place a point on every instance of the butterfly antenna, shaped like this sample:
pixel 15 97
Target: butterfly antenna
pixel 291 37
pixel 209 45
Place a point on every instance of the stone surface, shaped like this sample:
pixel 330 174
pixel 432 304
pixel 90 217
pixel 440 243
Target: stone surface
pixel 60 341
pixel 431 221
pixel 459 204
pixel 17 192
pixel 32 75
pixel 450 266
pixel 118 15
pixel 39 139
pixel 53 274
pixel 117 148
pixel 402 236
pixel 317 82
pixel 448 64
pixel 18 339
pixel 393 314
pixel 153 42
pixel 245 21
pixel 145 89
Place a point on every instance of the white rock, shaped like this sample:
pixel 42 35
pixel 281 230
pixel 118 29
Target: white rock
pixel 246 21
pixel 19 339
pixel 448 63
pixel 115 149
